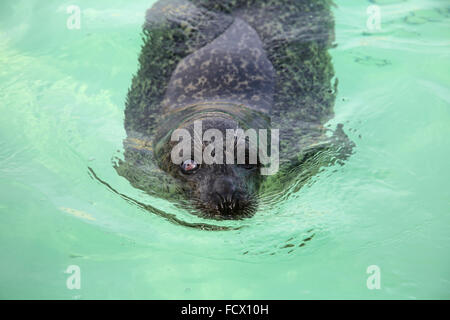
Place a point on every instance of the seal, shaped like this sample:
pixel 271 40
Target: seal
pixel 230 65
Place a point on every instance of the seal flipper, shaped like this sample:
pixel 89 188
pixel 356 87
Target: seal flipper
pixel 299 170
pixel 140 169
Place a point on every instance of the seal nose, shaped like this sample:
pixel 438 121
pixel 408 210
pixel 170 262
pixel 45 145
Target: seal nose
pixel 225 187
pixel 224 190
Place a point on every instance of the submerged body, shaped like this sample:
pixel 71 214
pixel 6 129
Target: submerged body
pixel 242 64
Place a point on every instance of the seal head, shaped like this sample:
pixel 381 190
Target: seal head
pixel 221 187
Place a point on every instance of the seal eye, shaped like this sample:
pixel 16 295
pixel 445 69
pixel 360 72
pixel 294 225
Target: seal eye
pixel 189 166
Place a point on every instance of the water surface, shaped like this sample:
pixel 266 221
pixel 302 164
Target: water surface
pixel 62 98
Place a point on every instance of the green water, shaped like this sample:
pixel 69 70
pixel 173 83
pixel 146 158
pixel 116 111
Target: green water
pixel 62 99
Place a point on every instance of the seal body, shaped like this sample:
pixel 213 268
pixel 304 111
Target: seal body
pixel 233 68
pixel 230 64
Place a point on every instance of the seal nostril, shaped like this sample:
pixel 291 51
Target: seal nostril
pixel 231 204
pixel 227 205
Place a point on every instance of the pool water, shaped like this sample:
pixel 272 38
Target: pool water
pixel 62 94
